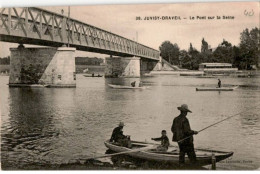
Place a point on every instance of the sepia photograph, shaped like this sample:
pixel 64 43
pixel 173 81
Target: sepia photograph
pixel 166 86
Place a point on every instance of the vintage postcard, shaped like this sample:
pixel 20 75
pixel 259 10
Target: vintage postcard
pixel 130 87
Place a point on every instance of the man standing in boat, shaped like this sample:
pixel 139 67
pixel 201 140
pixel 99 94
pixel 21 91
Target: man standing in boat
pixel 219 83
pixel 181 130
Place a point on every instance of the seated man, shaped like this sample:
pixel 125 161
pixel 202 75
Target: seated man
pixel 164 142
pixel 133 84
pixel 118 136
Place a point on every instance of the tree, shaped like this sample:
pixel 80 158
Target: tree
pixel 206 53
pixel 249 47
pixel 195 58
pixel 223 53
pixel 204 46
pixel 185 59
pixel 237 59
pixel 170 52
pixel 5 60
pixel 191 48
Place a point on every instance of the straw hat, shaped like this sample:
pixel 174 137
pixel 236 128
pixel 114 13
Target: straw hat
pixel 121 124
pixel 184 108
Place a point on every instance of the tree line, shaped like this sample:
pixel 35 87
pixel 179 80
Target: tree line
pixel 5 60
pixel 78 61
pixel 88 61
pixel 244 56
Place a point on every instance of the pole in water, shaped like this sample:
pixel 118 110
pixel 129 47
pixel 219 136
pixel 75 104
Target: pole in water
pixel 69 26
pixel 213 162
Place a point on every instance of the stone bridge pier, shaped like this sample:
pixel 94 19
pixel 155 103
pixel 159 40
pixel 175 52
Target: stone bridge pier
pixel 54 67
pixel 130 66
pixel 148 65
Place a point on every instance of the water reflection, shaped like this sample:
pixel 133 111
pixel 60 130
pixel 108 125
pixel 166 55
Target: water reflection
pixel 57 125
pixel 28 116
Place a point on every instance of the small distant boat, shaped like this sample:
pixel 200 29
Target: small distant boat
pixel 220 74
pixel 126 87
pixel 216 89
pixel 185 74
pixel 206 77
pixel 204 157
pixel 28 85
pixel 90 75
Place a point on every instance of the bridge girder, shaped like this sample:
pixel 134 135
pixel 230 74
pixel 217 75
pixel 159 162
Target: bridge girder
pixel 37 26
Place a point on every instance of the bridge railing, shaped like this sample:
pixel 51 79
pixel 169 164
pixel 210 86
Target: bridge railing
pixel 38 26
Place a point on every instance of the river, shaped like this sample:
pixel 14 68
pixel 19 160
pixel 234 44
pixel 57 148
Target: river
pixel 55 125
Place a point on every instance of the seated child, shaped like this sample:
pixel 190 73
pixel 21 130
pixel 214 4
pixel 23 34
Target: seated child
pixel 164 142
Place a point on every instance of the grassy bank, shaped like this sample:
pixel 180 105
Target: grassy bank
pixel 79 69
pixel 4 69
pixel 90 69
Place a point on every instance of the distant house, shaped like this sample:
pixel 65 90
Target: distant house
pixel 217 68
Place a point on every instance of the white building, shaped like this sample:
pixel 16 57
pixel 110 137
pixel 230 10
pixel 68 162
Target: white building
pixel 217 68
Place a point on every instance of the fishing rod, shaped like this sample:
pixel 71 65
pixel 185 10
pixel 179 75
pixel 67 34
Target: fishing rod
pixel 217 123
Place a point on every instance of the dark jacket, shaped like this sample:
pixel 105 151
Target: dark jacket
pixel 117 134
pixel 164 141
pixel 219 84
pixel 181 129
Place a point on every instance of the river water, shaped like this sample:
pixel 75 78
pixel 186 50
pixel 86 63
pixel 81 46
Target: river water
pixel 51 125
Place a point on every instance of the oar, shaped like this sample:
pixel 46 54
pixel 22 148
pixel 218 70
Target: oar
pixel 218 122
pixel 120 153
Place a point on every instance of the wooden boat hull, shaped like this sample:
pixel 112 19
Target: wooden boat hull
pixel 125 87
pixel 28 85
pixel 204 157
pixel 220 74
pixel 92 76
pixel 216 89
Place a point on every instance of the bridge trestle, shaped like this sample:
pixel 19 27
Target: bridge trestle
pixel 31 25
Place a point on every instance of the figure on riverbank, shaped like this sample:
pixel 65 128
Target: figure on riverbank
pixel 140 84
pixel 133 84
pixel 181 129
pixel 219 83
pixel 164 142
pixel 118 136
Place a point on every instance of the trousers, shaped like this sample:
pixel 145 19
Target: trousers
pixel 188 148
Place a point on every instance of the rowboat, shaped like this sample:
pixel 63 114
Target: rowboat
pixel 204 157
pixel 206 77
pixel 216 89
pixel 126 87
pixel 220 74
pixel 28 85
pixel 90 75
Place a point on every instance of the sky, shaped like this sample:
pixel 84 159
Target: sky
pixel 121 19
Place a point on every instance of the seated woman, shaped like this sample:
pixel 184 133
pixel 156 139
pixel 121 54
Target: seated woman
pixel 164 142
pixel 119 138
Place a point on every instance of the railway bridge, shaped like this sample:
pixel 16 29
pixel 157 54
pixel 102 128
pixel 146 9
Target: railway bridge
pixel 55 64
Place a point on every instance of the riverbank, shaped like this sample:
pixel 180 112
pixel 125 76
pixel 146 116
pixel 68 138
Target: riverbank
pixel 242 73
pixel 92 165
pixel 90 69
pixel 99 165
pixel 180 73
